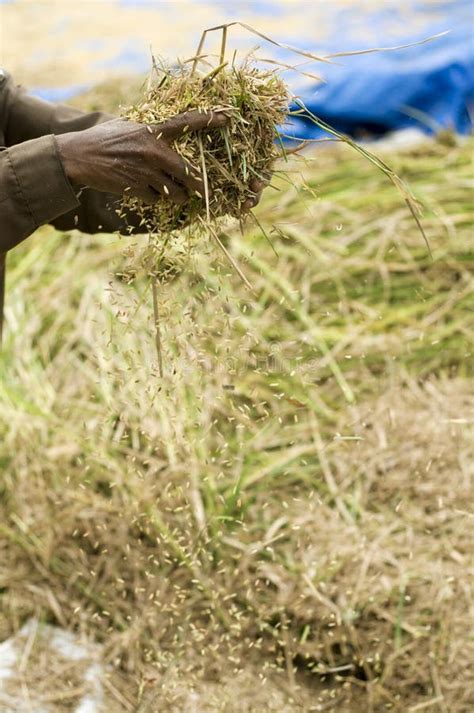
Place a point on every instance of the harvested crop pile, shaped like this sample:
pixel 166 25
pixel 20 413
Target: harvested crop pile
pixel 256 102
pixel 239 537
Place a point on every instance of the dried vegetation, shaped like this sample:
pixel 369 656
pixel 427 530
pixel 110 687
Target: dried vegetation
pixel 281 522
pixel 255 101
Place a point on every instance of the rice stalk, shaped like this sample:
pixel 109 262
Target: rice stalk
pixel 256 103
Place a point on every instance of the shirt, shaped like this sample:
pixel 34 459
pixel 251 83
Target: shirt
pixel 34 188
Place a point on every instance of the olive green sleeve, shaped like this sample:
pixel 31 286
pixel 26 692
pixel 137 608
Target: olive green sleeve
pixel 33 186
pixel 33 189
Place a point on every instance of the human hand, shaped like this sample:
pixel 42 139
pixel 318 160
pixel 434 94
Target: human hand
pixel 121 156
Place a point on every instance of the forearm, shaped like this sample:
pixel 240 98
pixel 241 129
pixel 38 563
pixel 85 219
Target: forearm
pixel 33 189
pixel 27 118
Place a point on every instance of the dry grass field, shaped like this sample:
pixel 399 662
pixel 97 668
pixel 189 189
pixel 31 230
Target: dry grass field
pixel 282 522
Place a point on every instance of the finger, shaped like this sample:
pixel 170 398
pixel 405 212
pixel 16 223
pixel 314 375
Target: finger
pixel 167 188
pixel 144 193
pixel 249 204
pixel 256 185
pixel 180 170
pixel 192 121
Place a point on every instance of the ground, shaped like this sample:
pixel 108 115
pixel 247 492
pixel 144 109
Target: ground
pixel 282 521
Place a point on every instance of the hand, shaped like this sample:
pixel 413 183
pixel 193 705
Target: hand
pixel 256 187
pixel 120 156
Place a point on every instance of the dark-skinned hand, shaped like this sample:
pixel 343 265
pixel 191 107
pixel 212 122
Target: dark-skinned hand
pixel 121 156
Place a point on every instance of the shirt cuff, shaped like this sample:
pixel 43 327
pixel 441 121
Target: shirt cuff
pixel 41 179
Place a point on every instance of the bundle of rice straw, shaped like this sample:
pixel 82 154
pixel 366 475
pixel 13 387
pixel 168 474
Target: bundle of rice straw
pixel 256 101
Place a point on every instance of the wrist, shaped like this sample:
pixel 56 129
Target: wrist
pixel 67 150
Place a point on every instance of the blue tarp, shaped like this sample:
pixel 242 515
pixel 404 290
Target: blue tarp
pixel 430 86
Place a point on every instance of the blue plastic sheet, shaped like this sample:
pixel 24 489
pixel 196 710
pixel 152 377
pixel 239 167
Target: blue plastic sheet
pixel 430 86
